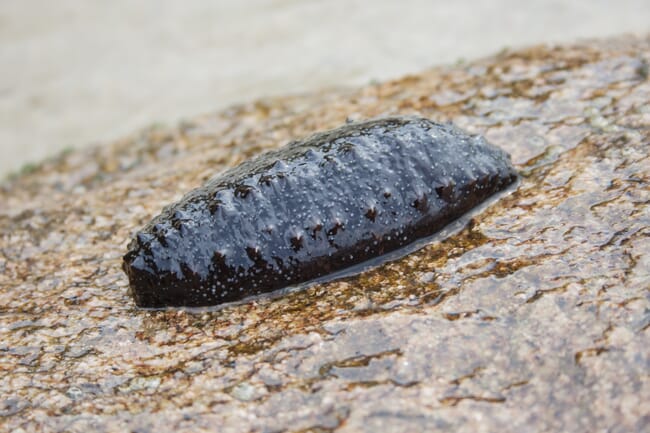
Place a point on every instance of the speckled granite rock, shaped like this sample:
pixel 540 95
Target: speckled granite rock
pixel 536 316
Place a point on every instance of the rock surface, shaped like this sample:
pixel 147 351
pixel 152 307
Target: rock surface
pixel 535 316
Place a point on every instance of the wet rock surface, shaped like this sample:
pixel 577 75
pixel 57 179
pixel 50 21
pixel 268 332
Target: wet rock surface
pixel 536 315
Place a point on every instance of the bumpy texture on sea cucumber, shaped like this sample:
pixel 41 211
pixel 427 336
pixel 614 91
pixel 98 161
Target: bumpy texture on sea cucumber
pixel 311 208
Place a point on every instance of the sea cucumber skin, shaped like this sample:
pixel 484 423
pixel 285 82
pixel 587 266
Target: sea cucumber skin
pixel 311 208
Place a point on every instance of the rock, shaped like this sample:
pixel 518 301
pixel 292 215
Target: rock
pixel 534 316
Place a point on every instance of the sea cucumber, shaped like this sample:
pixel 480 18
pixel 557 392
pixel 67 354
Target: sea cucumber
pixel 313 207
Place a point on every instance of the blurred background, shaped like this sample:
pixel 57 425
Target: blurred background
pixel 79 72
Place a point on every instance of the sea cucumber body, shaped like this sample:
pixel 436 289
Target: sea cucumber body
pixel 311 208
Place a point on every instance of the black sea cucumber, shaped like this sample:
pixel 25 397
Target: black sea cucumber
pixel 311 208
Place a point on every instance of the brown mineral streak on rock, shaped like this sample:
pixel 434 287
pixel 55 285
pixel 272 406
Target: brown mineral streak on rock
pixel 533 317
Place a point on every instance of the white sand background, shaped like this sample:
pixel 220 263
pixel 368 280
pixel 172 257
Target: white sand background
pixel 77 73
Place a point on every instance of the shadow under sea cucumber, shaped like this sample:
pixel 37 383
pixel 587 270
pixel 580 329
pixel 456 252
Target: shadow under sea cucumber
pixel 312 208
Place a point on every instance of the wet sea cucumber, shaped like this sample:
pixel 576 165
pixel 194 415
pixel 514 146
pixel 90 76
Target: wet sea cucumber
pixel 313 207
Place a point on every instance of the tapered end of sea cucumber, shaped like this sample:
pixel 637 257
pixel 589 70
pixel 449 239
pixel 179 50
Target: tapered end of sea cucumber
pixel 142 277
pixel 149 286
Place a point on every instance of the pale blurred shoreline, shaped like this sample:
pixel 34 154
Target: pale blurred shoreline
pixel 82 73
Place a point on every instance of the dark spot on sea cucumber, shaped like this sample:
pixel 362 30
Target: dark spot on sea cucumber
pixel 338 225
pixel 421 203
pixel 317 228
pixel 320 205
pixel 371 213
pixel 446 191
pixel 253 253
pixel 265 180
pixel 213 205
pixel 296 242
pixel 242 191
